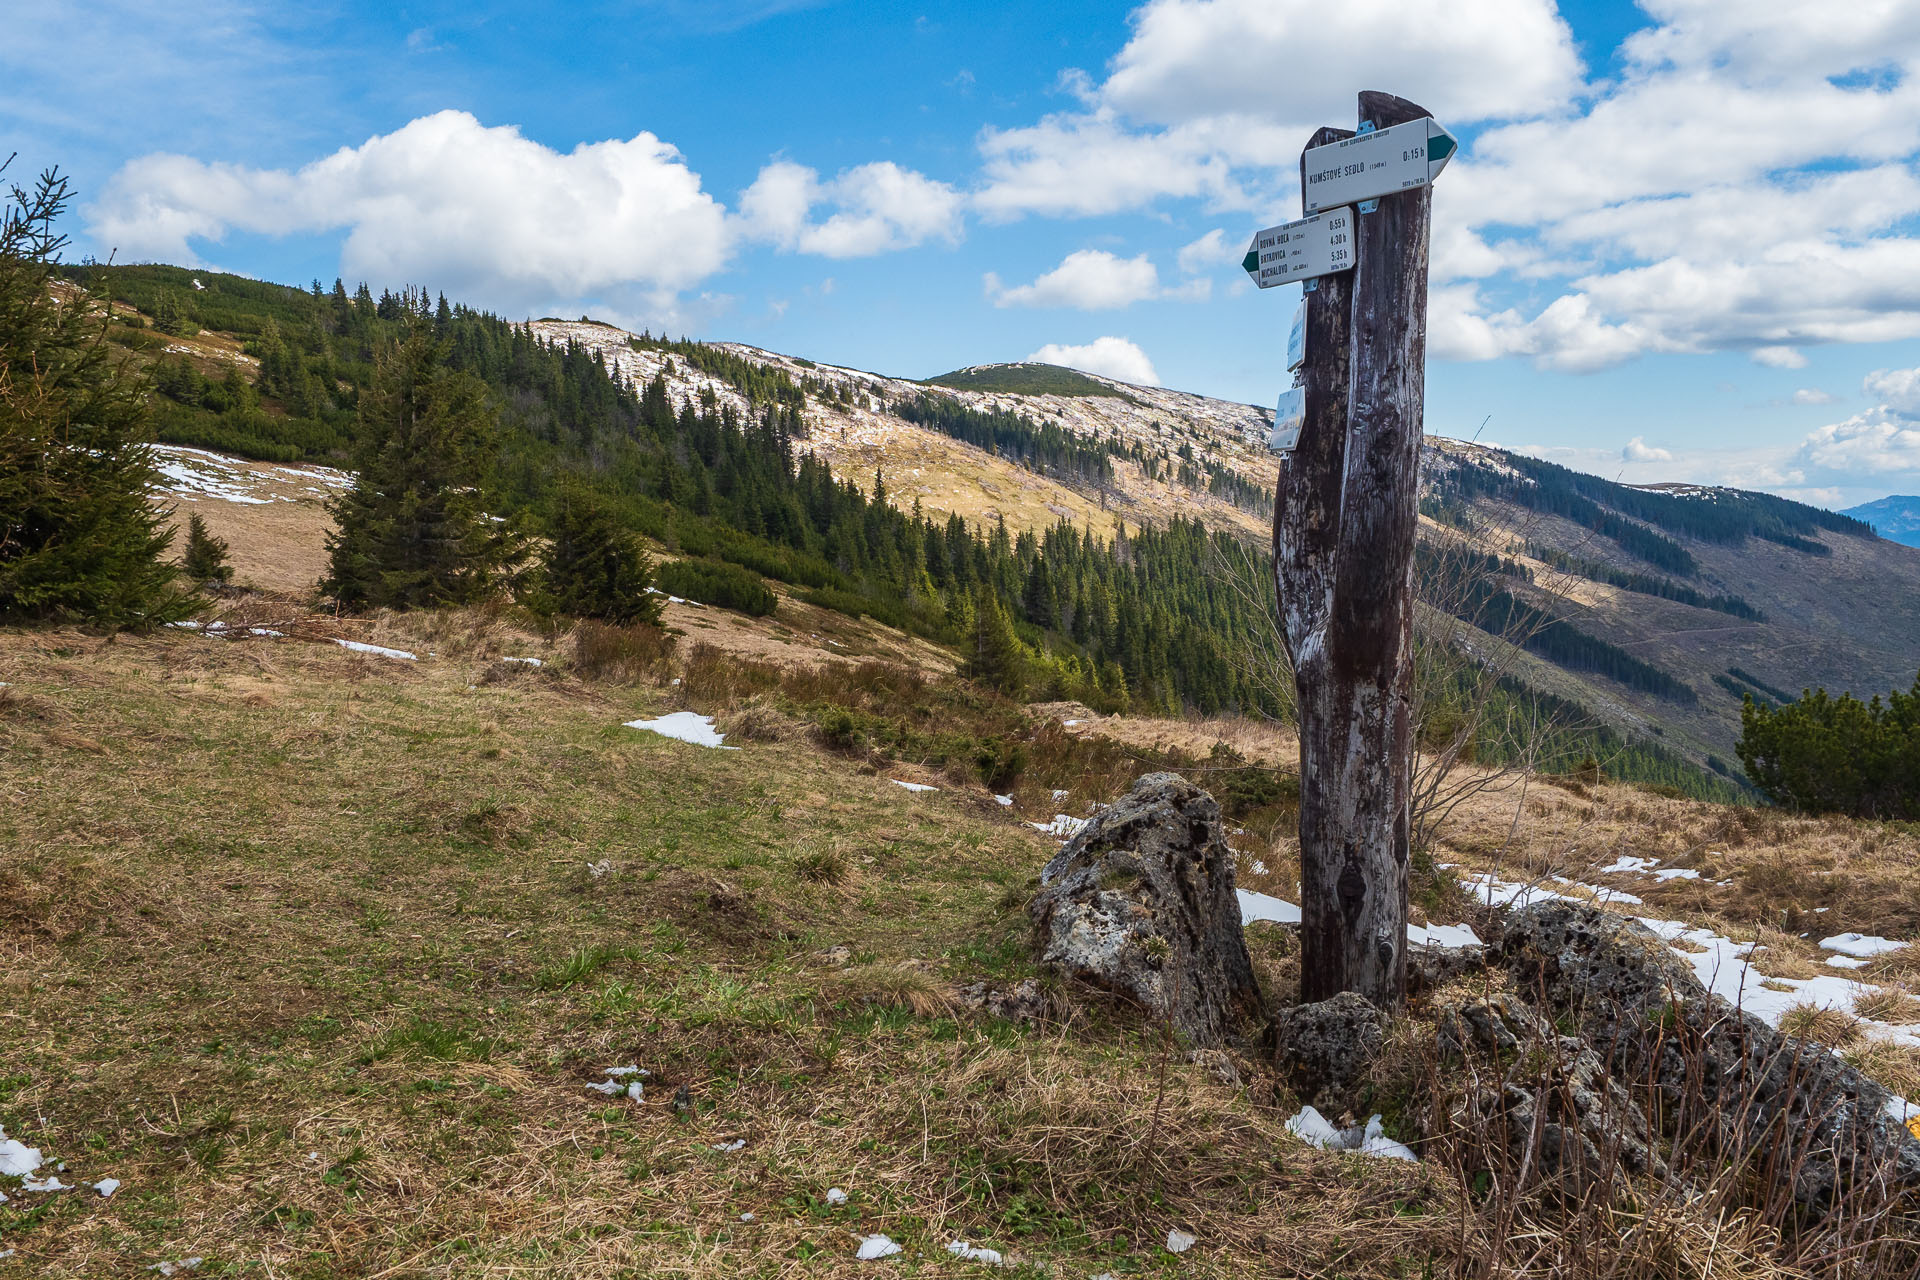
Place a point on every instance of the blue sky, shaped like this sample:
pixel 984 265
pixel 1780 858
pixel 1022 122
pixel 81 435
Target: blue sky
pixel 1679 242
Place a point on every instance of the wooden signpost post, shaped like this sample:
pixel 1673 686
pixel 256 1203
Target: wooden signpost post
pixel 1343 533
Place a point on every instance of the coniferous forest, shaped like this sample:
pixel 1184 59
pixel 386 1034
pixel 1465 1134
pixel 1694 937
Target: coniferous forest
pixel 1125 620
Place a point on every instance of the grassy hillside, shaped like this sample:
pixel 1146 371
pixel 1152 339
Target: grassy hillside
pixel 327 991
pixel 318 954
pixel 1662 581
pixel 1027 379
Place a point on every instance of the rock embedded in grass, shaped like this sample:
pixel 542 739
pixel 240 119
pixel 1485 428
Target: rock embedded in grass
pixel 1141 903
pixel 1325 1048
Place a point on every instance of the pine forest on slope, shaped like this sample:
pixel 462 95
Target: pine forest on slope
pixel 1088 517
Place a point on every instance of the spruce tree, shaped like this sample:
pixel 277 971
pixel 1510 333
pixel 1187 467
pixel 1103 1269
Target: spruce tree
pixel 594 568
pixel 80 537
pixel 994 655
pixel 413 531
pixel 205 559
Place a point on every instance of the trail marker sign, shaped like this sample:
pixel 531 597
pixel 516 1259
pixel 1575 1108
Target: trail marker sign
pixel 1297 338
pixel 1288 417
pixel 1316 246
pixel 1380 163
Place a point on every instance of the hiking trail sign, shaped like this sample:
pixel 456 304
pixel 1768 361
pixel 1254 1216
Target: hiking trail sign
pixel 1344 525
pixel 1382 162
pixel 1316 246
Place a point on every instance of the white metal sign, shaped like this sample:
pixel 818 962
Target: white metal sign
pixel 1316 246
pixel 1288 416
pixel 1297 338
pixel 1374 164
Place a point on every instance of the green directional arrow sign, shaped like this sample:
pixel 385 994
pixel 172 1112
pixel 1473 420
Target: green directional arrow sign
pixel 1316 246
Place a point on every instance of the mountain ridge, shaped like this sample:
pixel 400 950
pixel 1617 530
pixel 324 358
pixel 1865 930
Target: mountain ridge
pixel 1649 600
pixel 1895 517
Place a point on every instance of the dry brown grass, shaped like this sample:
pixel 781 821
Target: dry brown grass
pixel 1890 1006
pixel 619 655
pixel 308 901
pixel 1834 1028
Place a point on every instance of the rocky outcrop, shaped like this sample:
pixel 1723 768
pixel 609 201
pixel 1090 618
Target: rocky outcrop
pixel 1141 904
pixel 1726 1082
pixel 1533 1088
pixel 1324 1048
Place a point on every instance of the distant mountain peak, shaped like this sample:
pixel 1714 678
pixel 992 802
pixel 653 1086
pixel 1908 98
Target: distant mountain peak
pixel 1895 517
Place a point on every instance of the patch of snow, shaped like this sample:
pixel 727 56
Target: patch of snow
pixel 1860 945
pixel 1005 802
pixel 378 651
pixel 1059 794
pixel 608 1087
pixel 266 631
pixel 178 1267
pixel 1848 962
pixel 735 1145
pixel 1179 1241
pixel 529 662
pixel 836 1195
pixel 1722 967
pixel 1628 863
pixel 188 625
pixel 626 1071
pixel 107 1186
pixel 1256 906
pixel 17 1159
pixel 1600 894
pixel 1315 1130
pixel 1070 723
pixel 1443 935
pixel 1510 893
pixel 50 1183
pixel 912 786
pixel 873 1248
pixel 1064 826
pixel 686 726
pixel 974 1253
pixel 746 1217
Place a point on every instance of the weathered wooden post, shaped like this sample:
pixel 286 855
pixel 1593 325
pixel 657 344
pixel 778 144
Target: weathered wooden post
pixel 1343 533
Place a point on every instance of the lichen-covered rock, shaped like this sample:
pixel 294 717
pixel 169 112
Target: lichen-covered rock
pixel 1431 966
pixel 1724 1076
pixel 1324 1048
pixel 1025 1002
pixel 1530 1086
pixel 1141 903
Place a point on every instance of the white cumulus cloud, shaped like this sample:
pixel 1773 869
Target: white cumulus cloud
pixel 445 201
pixel 1094 280
pixel 513 224
pixel 1293 60
pixel 1745 177
pixel 1110 357
pixel 1638 450
pixel 1878 447
pixel 875 208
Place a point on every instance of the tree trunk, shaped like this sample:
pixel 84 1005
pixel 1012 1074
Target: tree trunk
pixel 1344 524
